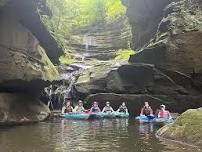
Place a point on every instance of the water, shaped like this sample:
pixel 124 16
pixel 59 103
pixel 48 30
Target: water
pixel 120 135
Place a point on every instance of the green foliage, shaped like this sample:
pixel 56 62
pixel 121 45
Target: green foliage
pixel 124 54
pixel 69 58
pixel 71 15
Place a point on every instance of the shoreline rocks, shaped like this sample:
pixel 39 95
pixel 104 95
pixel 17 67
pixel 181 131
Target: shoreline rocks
pixel 186 129
pixel 18 108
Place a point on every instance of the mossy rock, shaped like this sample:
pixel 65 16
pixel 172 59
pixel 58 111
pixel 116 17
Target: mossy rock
pixel 187 128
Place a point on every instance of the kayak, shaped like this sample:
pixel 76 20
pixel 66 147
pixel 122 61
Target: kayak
pixel 148 119
pixel 109 115
pixel 78 116
pixel 92 115
pixel 163 120
pixel 96 115
pixel 121 114
pixel 145 119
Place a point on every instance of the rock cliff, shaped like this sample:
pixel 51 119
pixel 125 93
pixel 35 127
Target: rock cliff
pixel 25 67
pixel 168 35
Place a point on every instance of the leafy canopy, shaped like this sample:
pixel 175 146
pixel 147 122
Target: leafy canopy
pixel 70 15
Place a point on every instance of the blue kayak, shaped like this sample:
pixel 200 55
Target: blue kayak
pixel 148 119
pixel 76 116
pixel 145 119
pixel 98 115
pixel 163 120
pixel 109 115
pixel 121 114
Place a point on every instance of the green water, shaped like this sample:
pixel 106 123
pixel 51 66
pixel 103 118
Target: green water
pixel 118 135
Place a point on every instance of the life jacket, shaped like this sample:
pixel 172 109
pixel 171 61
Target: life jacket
pixel 108 109
pixel 95 109
pixel 79 109
pixel 68 109
pixel 147 111
pixel 122 108
pixel 163 114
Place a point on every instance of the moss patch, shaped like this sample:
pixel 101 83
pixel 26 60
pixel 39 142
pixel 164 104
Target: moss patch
pixel 69 58
pixel 124 54
pixel 187 128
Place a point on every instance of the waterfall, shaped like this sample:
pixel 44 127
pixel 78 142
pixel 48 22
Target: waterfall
pixel 88 41
pixel 64 89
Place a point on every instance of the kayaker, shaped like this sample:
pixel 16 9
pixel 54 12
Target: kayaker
pixel 123 108
pixel 107 108
pixel 67 108
pixel 163 113
pixel 79 108
pixel 146 110
pixel 95 107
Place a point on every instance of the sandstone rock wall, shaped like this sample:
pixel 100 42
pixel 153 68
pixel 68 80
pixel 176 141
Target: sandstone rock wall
pixel 22 57
pixel 176 44
pixel 144 17
pixel 25 67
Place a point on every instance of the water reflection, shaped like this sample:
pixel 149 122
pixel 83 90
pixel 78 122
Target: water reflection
pixel 146 128
pixel 117 135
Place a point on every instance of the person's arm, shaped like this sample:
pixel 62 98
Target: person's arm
pixel 63 109
pixel 169 115
pixel 83 109
pixel 142 112
pixel 126 110
pixel 74 109
pixel 112 109
pixel 159 114
pixel 91 109
pixel 99 109
pixel 151 111
pixel 118 110
pixel 103 110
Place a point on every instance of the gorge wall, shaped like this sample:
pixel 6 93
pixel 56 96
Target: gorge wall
pixel 167 68
pixel 25 67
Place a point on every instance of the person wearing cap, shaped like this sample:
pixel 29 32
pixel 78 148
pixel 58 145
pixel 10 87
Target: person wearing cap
pixel 163 113
pixel 107 108
pixel 146 110
pixel 95 107
pixel 79 108
pixel 123 108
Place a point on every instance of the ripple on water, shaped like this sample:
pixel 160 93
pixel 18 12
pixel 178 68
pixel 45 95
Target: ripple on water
pixel 118 135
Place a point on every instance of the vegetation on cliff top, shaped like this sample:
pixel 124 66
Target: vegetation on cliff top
pixel 70 15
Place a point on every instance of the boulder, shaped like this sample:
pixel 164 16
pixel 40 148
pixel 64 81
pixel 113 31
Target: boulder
pixel 187 128
pixel 17 108
pixel 133 79
pixel 175 103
